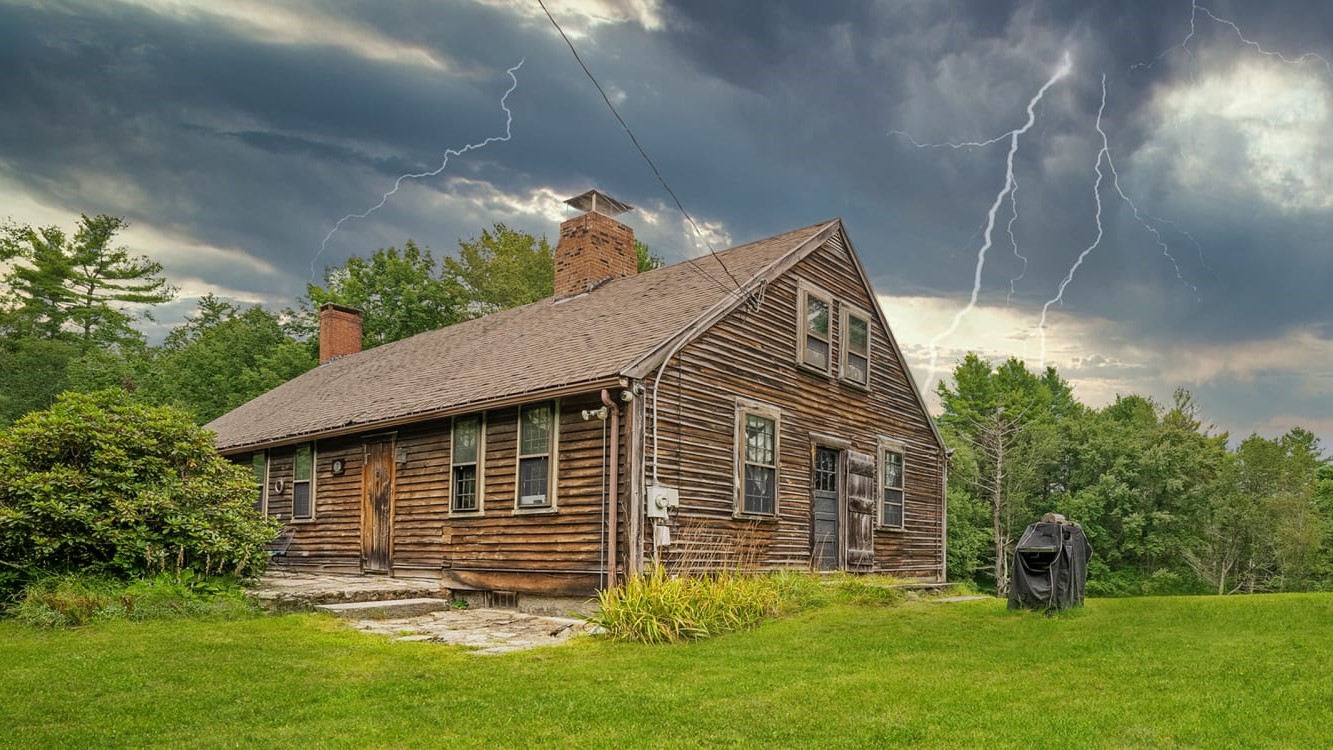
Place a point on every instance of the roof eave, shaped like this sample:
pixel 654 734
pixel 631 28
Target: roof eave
pixel 499 402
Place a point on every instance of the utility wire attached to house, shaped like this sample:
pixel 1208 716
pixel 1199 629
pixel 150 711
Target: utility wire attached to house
pixel 651 165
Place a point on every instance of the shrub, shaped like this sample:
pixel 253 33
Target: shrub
pixel 101 484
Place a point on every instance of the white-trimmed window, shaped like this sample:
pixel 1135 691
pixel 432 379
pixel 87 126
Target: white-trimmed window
pixel 855 346
pixel 303 482
pixel 757 458
pixel 259 468
pixel 891 465
pixel 536 454
pixel 465 473
pixel 815 347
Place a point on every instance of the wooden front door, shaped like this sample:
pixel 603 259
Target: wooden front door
pixel 377 475
pixel 824 549
pixel 860 511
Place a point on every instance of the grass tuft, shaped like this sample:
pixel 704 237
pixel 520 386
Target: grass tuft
pixel 657 608
pixel 71 599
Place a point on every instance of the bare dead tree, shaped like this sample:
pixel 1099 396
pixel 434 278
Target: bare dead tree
pixel 993 435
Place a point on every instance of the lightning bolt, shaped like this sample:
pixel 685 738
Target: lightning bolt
pixel 1195 8
pixel 1013 217
pixel 1104 163
pixel 1103 154
pixel 448 154
pixel 1010 184
pixel 1203 263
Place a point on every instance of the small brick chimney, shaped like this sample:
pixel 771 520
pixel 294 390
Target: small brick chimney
pixel 594 248
pixel 339 331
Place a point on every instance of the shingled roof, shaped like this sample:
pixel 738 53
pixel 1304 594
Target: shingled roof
pixel 620 329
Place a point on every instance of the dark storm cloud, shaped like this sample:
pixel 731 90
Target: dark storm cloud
pixel 236 142
pixel 847 74
pixel 762 116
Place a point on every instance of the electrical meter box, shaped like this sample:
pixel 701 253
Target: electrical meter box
pixel 660 498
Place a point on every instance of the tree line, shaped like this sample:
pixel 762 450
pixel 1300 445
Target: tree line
pixel 1167 504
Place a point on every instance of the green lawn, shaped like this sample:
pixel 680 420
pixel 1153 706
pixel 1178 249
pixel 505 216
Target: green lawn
pixel 1153 672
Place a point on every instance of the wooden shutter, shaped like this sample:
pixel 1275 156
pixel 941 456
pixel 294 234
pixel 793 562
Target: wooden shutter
pixel 860 511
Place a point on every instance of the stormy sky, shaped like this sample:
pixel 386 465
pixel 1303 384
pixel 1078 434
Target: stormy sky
pixel 234 136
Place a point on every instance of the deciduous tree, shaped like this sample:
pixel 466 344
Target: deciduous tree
pixel 222 357
pixel 398 292
pixel 503 268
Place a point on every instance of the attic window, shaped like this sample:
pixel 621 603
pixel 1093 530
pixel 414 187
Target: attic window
pixel 855 346
pixel 815 346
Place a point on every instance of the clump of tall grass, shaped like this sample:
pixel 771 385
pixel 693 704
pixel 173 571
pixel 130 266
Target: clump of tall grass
pixel 657 608
pixel 73 599
pixel 801 590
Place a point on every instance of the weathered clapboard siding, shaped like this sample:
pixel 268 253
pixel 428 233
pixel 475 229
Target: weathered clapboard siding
pixel 560 551
pixel 331 538
pixel 752 354
pixel 279 467
pixel 421 501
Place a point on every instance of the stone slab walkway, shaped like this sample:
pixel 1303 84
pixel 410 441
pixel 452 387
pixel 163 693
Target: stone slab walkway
pixel 284 591
pixel 485 631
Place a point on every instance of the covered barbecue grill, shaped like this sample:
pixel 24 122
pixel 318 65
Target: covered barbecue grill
pixel 1050 566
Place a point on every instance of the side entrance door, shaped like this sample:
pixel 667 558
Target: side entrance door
pixel 824 550
pixel 377 475
pixel 860 511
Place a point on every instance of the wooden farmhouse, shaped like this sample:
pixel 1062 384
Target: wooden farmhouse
pixel 749 409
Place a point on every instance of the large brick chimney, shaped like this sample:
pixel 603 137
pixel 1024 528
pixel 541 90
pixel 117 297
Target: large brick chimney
pixel 339 331
pixel 593 248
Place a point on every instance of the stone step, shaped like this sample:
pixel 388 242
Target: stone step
pixel 385 610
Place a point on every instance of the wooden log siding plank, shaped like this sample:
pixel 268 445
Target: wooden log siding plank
pixel 328 534
pixel 753 353
pixel 569 539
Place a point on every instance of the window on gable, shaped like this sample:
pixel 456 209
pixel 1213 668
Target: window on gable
pixel 536 431
pixel 815 346
pixel 466 458
pixel 757 453
pixel 891 488
pixel 303 491
pixel 856 346
pixel 259 467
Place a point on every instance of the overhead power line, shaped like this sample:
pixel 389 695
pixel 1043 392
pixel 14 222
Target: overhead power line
pixel 647 159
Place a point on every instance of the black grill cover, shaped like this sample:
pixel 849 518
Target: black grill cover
pixel 1050 567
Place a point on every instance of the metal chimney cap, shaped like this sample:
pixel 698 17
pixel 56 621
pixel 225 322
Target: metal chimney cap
pixel 599 202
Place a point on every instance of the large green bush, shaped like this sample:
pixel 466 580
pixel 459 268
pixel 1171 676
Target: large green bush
pixel 99 483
